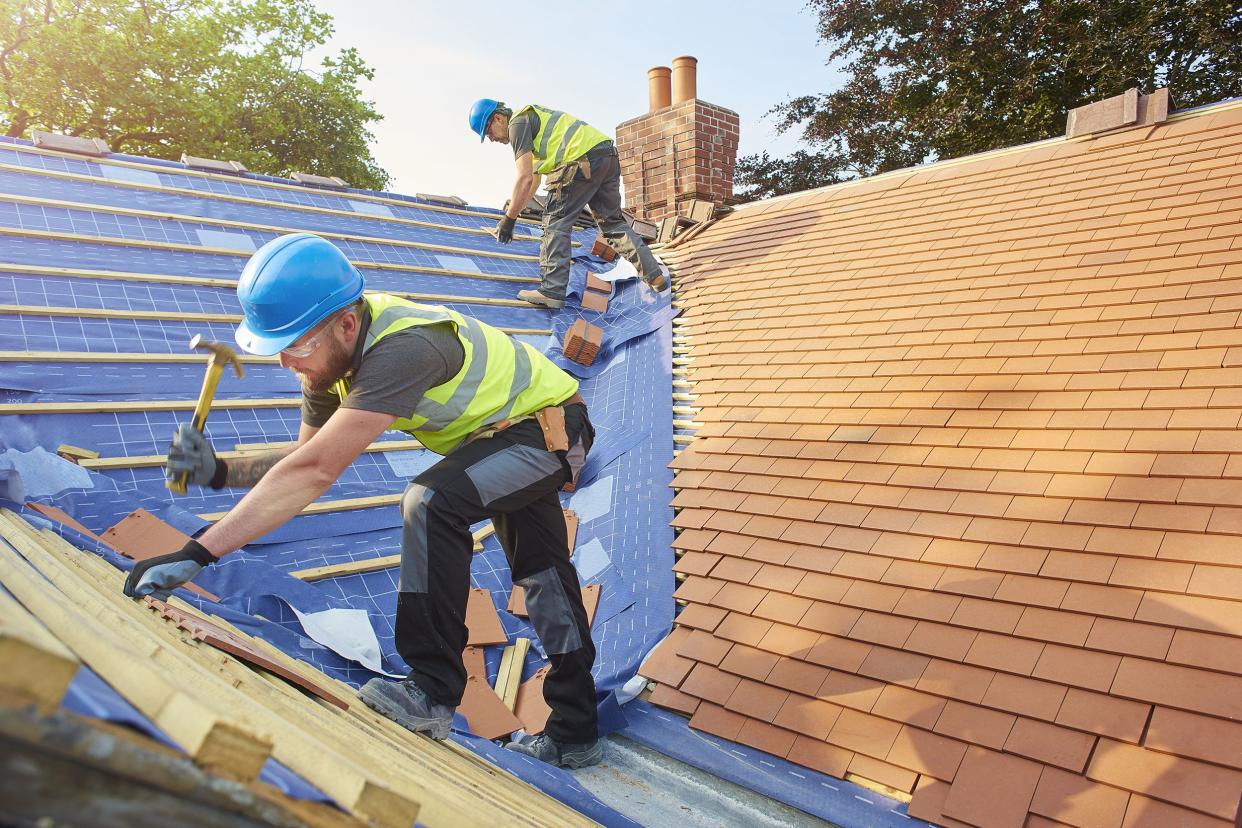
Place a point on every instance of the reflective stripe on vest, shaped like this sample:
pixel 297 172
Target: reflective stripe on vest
pixel 500 377
pixel 561 138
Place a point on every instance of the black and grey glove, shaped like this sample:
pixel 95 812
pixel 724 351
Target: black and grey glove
pixel 191 454
pixel 504 230
pixel 160 575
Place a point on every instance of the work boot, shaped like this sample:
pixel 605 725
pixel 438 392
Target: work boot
pixel 406 704
pixel 543 300
pixel 659 282
pixel 546 749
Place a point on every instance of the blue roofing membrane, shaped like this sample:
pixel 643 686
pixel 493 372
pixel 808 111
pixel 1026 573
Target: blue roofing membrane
pixel 72 228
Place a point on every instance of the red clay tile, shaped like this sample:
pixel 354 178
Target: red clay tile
pixel 704 646
pixel 1132 639
pixel 880 628
pixel 1105 715
pixel 778 578
pixel 863 733
pixel 1207 614
pixel 977 725
pixel 482 620
pixel 1198 737
pixel 663 664
pixel 1071 799
pixel 1078 566
pixel 940 640
pixel 531 707
pixel 748 662
pixel 930 606
pixel 809 716
pixel 926 752
pixel 786 609
pixel 765 737
pixel 895 666
pixel 822 587
pixel 738 597
pixel 1004 652
pixel 756 700
pixel 955 681
pixel 838 653
pixel 1208 788
pixel 1102 600
pixel 707 682
pixel 849 690
pixel 696 563
pixel 665 696
pixel 1028 697
pixel 1055 626
pixel 1145 574
pixel 717 721
pixel 987 615
pixel 788 641
pixel 1078 668
pixel 698 590
pixel 738 570
pixel 908 706
pixel 1216 652
pixel 928 800
pixel 882 772
pixel 797 676
pixel 825 758
pixel 1050 744
pixel 700 617
pixel 743 629
pixel 831 619
pixel 1152 813
pixel 1022 589
pixel 1185 687
pixel 872 596
pixel 992 789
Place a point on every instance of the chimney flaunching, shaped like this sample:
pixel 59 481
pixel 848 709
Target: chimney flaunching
pixel 683 149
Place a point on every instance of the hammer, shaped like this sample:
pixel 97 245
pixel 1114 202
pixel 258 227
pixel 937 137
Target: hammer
pixel 221 355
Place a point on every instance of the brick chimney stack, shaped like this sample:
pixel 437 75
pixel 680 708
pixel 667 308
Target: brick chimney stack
pixel 681 150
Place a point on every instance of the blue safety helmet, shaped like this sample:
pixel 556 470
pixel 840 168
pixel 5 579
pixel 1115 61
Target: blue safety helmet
pixel 291 284
pixel 480 114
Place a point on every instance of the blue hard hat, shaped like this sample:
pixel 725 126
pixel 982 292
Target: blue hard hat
pixel 480 114
pixel 291 284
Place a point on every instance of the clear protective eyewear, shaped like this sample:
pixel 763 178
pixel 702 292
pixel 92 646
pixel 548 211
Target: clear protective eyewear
pixel 311 345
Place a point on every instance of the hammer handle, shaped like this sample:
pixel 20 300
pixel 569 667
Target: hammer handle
pixel 206 394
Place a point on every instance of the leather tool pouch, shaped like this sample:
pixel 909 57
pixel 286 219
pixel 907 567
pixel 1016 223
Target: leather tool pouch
pixel 561 177
pixel 552 422
pixel 584 166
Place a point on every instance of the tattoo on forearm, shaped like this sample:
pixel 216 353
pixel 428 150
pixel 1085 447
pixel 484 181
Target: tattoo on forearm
pixel 244 472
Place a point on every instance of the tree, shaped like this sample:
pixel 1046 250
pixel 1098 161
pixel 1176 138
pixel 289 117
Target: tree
pixel 937 79
pixel 212 78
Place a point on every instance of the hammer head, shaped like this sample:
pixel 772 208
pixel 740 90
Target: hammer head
pixel 220 353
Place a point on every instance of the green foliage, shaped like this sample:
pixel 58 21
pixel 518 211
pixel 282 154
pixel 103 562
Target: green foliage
pixel 212 78
pixel 937 79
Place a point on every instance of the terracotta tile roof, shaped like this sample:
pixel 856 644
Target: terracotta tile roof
pixel 964 510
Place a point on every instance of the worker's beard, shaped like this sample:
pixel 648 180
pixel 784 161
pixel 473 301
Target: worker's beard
pixel 339 362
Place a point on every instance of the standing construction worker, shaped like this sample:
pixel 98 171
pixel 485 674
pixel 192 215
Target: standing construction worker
pixel 582 170
pixel 512 430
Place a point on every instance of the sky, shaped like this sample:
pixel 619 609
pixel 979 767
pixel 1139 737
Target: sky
pixel 432 60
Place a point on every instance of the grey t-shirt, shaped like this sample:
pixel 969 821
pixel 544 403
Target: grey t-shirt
pixel 522 129
pixel 394 375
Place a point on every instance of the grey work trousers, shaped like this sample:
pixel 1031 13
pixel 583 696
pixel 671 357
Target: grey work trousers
pixel 568 192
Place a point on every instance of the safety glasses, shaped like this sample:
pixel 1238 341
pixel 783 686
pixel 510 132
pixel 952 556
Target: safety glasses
pixel 311 345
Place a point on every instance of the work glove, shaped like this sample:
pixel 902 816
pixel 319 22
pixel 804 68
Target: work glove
pixel 160 575
pixel 504 230
pixel 191 453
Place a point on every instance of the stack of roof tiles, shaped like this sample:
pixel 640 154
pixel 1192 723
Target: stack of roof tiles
pixel 582 341
pixel 964 515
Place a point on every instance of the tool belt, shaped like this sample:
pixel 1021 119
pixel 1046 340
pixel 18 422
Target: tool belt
pixel 555 438
pixel 551 422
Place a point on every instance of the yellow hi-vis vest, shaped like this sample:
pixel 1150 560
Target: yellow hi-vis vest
pixel 500 378
pixel 561 138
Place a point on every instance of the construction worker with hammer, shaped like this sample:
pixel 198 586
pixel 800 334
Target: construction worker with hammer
pixel 512 430
pixel 582 170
